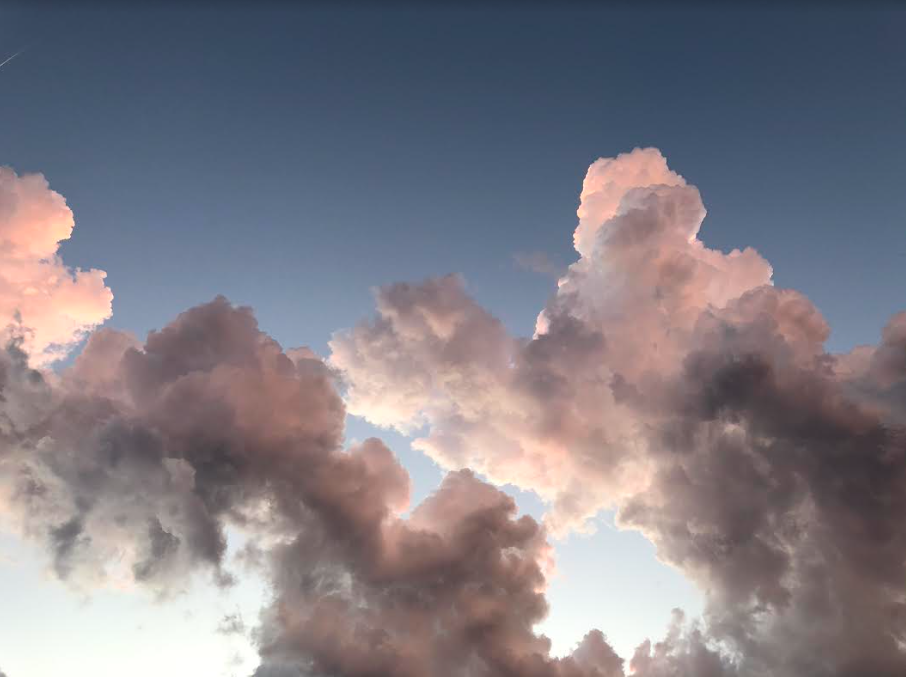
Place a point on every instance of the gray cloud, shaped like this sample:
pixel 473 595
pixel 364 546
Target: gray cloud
pixel 138 456
pixel 455 590
pixel 232 624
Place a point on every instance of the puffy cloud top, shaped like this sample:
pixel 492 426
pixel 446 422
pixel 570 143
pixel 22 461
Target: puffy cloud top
pixel 51 305
pixel 608 181
pixel 666 379
pixel 676 384
pixel 551 413
pixel 130 465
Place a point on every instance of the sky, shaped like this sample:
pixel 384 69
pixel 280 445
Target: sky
pixel 296 160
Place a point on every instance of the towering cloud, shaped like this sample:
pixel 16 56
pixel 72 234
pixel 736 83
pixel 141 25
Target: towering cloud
pixel 673 382
pixel 553 414
pixel 47 303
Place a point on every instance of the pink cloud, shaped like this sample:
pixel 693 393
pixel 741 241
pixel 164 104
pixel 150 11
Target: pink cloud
pixel 543 414
pixel 49 304
pixel 676 384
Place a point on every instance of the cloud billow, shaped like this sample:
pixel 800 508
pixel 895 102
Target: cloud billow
pixel 664 379
pixel 43 301
pixel 129 466
pixel 676 384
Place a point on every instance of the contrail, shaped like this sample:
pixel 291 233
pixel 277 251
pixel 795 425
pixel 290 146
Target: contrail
pixel 11 58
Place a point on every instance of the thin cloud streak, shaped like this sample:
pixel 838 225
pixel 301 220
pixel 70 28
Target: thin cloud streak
pixel 11 58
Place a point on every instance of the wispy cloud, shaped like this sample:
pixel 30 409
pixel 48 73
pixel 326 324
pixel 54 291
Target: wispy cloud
pixel 539 262
pixel 8 59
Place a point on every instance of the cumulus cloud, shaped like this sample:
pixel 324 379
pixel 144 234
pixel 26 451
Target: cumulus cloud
pixel 676 384
pixel 684 652
pixel 608 181
pixel 129 466
pixel 668 380
pixel 455 590
pixel 47 303
pixel 552 413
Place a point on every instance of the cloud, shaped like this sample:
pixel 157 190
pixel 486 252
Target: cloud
pixel 232 624
pixel 50 305
pixel 129 466
pixel 608 181
pixel 551 414
pixel 674 383
pixel 453 591
pixel 538 262
pixel 684 652
pixel 130 463
pixel 668 380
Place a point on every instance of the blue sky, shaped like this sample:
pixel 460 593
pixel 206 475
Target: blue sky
pixel 294 159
